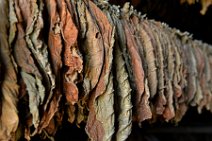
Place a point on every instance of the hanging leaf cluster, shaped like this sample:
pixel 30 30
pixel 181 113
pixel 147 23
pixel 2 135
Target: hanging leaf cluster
pixel 94 63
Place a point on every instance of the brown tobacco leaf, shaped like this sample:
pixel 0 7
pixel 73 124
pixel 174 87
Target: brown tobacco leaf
pixel 72 57
pixel 96 129
pixel 209 54
pixel 183 69
pixel 72 7
pixel 52 128
pixel 158 35
pixel 92 47
pixel 168 50
pixel 36 44
pixel 210 63
pixel 71 113
pixel 178 65
pixel 136 21
pixel 13 20
pixel 145 111
pixel 208 76
pixel 204 82
pixel 140 99
pixel 138 72
pixel 142 109
pixel 180 112
pixel 200 68
pixel 55 49
pixel 149 45
pixel 9 89
pixel 192 73
pixel 54 37
pixel 29 70
pixel 180 102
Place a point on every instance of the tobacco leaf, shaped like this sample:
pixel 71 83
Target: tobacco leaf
pixel 183 68
pixel 83 20
pixel 123 94
pixel 149 45
pixel 13 20
pixel 95 129
pixel 37 45
pixel 204 81
pixel 72 57
pixel 208 76
pixel 200 67
pixel 93 51
pixel 158 35
pixel 34 100
pixel 55 48
pixel 122 43
pixel 192 73
pixel 55 123
pixel 136 21
pixel 9 88
pixel 72 7
pixel 169 111
pixel 180 102
pixel 105 110
pixel 180 112
pixel 210 63
pixel 29 70
pixel 137 71
pixel 145 103
pixel 71 113
pixel 178 64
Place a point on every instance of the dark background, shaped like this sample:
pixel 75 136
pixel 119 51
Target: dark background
pixel 182 16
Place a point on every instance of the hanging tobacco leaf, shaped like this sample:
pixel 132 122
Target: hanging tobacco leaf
pixel 169 111
pixel 55 49
pixel 61 55
pixel 29 70
pixel 9 88
pixel 96 129
pixel 94 51
pixel 72 57
pixel 123 96
pixel 136 68
pixel 200 67
pixel 158 34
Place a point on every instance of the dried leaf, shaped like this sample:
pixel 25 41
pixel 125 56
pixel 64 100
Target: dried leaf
pixel 93 50
pixel 192 73
pixel 29 70
pixel 36 44
pixel 105 111
pixel 55 49
pixel 148 45
pixel 158 37
pixel 13 20
pixel 200 67
pixel 123 92
pixel 72 56
pixel 9 89
pixel 169 111
pixel 137 71
pixel 94 127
